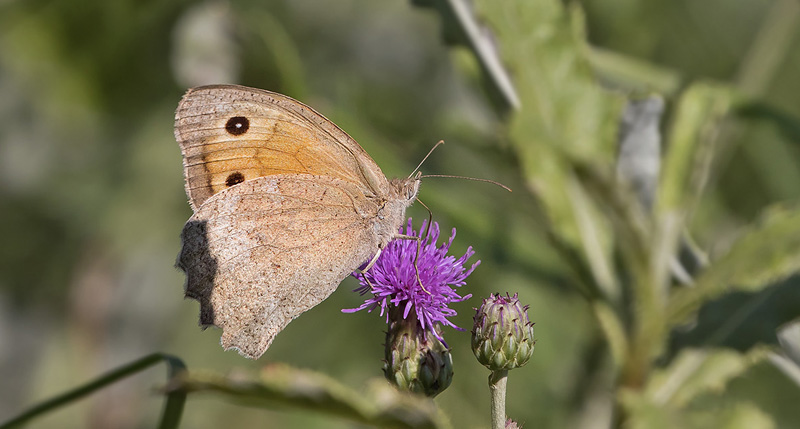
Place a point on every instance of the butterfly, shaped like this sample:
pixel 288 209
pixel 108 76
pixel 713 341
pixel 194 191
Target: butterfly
pixel 286 205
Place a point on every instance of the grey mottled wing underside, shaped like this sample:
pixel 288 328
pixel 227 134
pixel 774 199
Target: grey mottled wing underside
pixel 259 254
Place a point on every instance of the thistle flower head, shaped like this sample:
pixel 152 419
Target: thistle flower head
pixel 393 279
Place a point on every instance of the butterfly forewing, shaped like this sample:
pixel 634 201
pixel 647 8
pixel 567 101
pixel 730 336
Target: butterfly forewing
pixel 229 134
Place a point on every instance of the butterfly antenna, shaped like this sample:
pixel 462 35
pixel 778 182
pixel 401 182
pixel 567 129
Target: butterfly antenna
pixel 440 142
pixel 469 178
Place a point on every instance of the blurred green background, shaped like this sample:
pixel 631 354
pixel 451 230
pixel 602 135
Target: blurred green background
pixel 92 200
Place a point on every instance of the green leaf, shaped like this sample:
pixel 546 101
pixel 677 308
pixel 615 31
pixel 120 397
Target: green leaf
pixel 642 414
pixel 766 254
pixel 741 320
pixel 460 26
pixel 786 123
pixel 690 148
pixel 759 395
pixel 788 367
pixel 613 330
pixel 632 74
pixel 695 372
pixel 672 397
pixel 690 144
pixel 563 113
pixel 560 110
pixel 631 227
pixel 279 385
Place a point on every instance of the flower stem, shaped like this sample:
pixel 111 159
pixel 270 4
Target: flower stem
pixel 497 386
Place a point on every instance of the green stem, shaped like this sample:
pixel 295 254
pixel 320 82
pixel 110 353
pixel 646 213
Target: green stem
pixel 173 407
pixel 497 385
pixel 770 48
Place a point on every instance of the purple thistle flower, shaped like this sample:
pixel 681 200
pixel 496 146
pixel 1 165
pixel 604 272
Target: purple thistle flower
pixel 394 281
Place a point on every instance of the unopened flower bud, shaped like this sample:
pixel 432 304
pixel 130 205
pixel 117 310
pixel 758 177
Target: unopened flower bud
pixel 415 361
pixel 502 337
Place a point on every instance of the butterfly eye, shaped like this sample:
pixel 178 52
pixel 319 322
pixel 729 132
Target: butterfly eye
pixel 412 190
pixel 237 125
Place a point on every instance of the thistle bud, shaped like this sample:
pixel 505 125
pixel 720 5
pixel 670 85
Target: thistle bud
pixel 415 361
pixel 502 337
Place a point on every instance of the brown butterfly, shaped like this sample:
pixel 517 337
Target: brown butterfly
pixel 286 205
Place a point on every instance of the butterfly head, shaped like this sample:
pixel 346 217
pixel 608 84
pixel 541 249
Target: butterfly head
pixel 392 212
pixel 407 189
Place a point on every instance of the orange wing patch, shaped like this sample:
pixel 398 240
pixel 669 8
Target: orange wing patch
pixel 225 144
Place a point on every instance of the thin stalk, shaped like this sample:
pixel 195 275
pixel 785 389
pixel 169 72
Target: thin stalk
pixel 497 386
pixel 173 406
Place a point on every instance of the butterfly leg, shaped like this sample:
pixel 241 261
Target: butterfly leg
pixel 372 261
pixel 424 233
pixel 416 258
pixel 416 268
pixel 371 286
pixel 369 265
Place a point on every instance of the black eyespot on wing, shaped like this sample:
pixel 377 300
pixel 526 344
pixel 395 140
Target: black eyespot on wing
pixel 234 179
pixel 237 125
